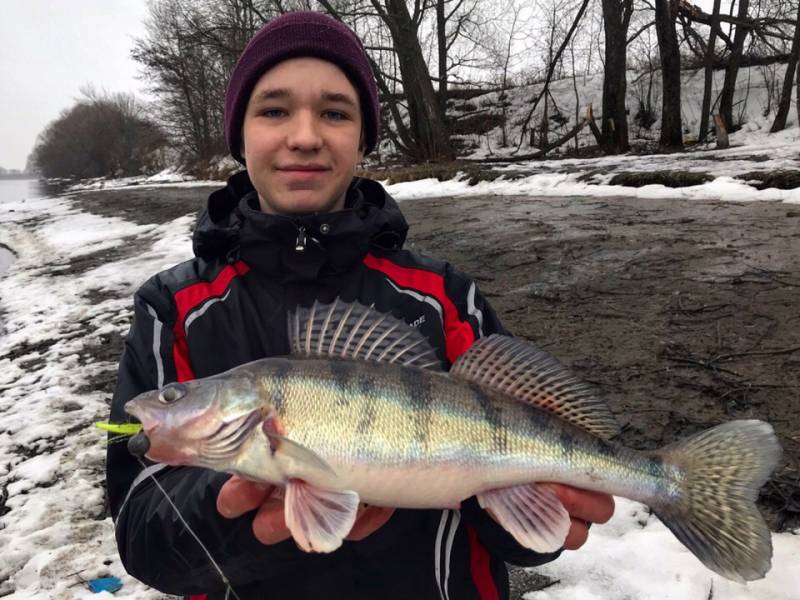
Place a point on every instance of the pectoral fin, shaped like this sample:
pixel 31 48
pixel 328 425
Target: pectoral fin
pixel 533 514
pixel 319 518
pixel 297 461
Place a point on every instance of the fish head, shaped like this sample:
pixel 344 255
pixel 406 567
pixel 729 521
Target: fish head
pixel 180 418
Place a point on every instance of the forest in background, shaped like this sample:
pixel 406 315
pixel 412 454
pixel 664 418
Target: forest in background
pixel 429 55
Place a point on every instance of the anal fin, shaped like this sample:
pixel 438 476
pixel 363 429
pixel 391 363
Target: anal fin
pixel 533 514
pixel 319 519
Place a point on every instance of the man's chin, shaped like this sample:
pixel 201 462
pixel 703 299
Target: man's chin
pixel 299 203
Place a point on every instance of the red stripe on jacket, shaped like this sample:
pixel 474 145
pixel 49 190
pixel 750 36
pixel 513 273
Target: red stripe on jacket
pixel 459 335
pixel 190 298
pixel 480 567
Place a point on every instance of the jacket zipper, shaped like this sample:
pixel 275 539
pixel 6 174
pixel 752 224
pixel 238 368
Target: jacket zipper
pixel 300 243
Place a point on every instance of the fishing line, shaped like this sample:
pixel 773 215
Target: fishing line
pixel 229 591
pixel 124 432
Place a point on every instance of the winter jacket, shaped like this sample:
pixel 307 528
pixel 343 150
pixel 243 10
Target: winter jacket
pixel 228 306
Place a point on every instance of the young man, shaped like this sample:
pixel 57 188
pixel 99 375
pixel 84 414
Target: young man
pixel 301 112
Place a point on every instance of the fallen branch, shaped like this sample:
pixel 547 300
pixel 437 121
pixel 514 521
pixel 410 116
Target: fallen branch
pixel 760 353
pixel 587 120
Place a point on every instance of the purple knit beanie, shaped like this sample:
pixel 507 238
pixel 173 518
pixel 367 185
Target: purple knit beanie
pixel 293 35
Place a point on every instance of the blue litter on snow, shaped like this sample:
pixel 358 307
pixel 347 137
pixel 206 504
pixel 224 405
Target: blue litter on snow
pixel 105 584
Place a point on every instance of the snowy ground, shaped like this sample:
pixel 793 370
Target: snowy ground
pixel 59 303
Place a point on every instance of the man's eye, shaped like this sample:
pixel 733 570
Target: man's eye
pixel 272 112
pixel 335 115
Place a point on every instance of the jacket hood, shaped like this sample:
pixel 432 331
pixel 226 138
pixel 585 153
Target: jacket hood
pixel 298 248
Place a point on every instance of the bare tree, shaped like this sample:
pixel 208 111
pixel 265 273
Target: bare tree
pixel 102 135
pixel 671 130
pixel 616 19
pixel 426 136
pixel 732 70
pixel 709 60
pixel 505 37
pixel 788 79
pixel 554 60
pixel 185 75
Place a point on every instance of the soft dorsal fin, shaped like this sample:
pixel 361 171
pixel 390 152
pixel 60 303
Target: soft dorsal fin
pixel 521 370
pixel 358 332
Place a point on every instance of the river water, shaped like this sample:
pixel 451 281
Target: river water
pixel 14 190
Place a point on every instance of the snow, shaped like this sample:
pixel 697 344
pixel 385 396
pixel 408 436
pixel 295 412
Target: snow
pixel 635 556
pixel 751 152
pixel 52 460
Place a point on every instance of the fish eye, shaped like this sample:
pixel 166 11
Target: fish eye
pixel 172 393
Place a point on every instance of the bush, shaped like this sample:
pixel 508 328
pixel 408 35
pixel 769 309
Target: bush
pixel 782 179
pixel 102 135
pixel 673 179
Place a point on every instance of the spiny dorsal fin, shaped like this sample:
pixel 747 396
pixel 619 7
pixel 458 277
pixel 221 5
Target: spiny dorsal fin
pixel 358 332
pixel 521 370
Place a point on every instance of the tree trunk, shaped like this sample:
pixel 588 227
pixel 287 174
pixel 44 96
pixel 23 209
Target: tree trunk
pixel 616 17
pixel 797 100
pixel 721 133
pixel 732 71
pixel 709 73
pixel 427 119
pixel 788 79
pixel 441 35
pixel 671 131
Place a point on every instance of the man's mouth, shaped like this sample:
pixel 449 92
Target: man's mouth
pixel 298 168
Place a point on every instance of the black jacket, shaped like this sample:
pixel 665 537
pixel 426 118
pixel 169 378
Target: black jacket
pixel 228 306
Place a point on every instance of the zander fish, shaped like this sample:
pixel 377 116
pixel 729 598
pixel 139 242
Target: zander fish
pixel 361 411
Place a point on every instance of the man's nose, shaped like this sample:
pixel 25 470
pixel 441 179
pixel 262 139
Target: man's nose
pixel 305 132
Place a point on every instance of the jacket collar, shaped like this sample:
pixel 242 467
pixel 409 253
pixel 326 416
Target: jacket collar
pixel 303 248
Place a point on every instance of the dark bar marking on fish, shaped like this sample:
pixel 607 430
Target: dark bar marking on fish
pixel 567 441
pixel 417 389
pixel 281 370
pixel 343 374
pixel 367 419
pixel 603 448
pixel 655 465
pixel 539 418
pixel 493 415
pixel 365 383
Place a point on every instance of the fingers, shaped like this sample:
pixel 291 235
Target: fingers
pixel 577 535
pixel 591 507
pixel 238 496
pixel 369 519
pixel 584 508
pixel 269 524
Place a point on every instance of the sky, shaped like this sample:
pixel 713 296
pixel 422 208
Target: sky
pixel 52 48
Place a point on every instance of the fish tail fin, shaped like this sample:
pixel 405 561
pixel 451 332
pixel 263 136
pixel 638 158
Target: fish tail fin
pixel 718 473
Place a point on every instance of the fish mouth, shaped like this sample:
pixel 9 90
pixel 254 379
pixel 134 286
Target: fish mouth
pixel 229 437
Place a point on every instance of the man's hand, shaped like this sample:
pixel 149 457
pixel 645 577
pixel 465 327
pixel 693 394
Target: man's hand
pixel 239 496
pixel 584 508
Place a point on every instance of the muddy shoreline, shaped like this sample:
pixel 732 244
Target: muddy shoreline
pixel 685 313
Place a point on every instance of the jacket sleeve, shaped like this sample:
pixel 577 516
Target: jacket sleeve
pixel 475 309
pixel 153 544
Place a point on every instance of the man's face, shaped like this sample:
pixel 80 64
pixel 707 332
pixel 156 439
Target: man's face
pixel 301 136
